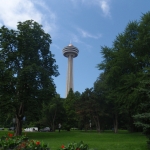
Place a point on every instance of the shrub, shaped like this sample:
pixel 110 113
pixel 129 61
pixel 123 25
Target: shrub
pixel 12 142
pixel 75 146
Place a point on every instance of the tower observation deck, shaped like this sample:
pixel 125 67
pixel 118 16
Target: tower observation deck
pixel 70 52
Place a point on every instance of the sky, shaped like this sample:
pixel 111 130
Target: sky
pixel 86 24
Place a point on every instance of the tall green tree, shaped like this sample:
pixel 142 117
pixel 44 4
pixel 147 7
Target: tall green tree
pixel 91 110
pixel 101 89
pixel 124 67
pixel 69 105
pixel 52 113
pixel 82 109
pixel 143 52
pixel 142 118
pixel 27 69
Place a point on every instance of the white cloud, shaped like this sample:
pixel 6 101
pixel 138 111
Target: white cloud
pixel 13 11
pixel 103 4
pixel 86 34
pixel 76 39
pixel 17 10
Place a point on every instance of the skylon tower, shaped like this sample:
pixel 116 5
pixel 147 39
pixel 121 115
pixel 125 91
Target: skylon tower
pixel 70 52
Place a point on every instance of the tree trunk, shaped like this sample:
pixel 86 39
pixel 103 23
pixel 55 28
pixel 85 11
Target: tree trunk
pixel 116 123
pixel 18 130
pixel 19 117
pixel 52 123
pixel 97 123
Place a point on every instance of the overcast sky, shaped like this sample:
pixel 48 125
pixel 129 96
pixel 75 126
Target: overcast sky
pixel 87 24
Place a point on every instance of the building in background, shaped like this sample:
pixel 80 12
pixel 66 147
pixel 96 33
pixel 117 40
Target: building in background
pixel 70 52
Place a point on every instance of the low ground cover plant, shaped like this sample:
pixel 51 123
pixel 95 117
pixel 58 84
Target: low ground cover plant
pixel 11 142
pixel 75 146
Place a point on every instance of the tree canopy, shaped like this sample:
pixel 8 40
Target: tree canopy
pixel 125 67
pixel 27 67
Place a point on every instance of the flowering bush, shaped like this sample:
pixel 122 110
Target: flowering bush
pixel 75 146
pixel 20 143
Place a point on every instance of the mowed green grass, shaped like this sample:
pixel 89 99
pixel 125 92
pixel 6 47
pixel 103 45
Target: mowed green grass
pixel 106 140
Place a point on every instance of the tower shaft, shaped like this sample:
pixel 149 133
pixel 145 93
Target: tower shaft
pixel 70 52
pixel 69 74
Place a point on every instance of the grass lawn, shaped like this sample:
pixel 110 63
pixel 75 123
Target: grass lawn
pixel 106 140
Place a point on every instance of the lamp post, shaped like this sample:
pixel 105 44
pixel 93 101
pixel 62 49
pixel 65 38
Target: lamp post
pixel 14 122
pixel 90 124
pixel 24 118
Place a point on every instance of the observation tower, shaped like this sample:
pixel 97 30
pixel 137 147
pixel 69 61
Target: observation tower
pixel 70 52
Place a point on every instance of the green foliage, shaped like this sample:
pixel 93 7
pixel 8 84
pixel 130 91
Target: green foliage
pixel 142 118
pixel 70 114
pixel 27 67
pixel 52 112
pixel 20 143
pixel 124 66
pixel 90 107
pixel 75 146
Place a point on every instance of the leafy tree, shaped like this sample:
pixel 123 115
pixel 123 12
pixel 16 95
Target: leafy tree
pixel 142 119
pixel 90 109
pixel 27 68
pixel 5 77
pixel 77 95
pixel 82 110
pixel 101 89
pixel 123 67
pixel 52 112
pixel 69 105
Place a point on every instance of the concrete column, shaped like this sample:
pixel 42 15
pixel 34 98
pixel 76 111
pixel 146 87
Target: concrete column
pixel 69 74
